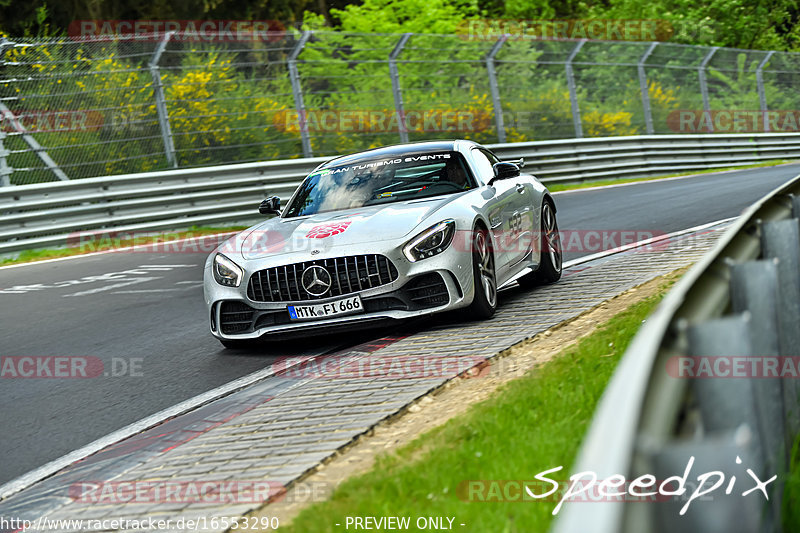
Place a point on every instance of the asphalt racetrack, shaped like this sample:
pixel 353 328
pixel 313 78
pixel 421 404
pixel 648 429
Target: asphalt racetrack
pixel 143 315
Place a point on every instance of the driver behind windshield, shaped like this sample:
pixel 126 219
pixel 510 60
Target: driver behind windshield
pixel 378 182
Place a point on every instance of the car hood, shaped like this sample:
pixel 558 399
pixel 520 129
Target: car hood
pixel 325 231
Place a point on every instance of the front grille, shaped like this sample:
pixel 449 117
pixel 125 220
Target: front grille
pixel 387 303
pixel 235 317
pixel 428 290
pixel 348 275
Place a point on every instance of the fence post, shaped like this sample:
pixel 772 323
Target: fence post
pixel 5 170
pixel 648 114
pixel 41 153
pixel 161 104
pixel 498 108
pixel 701 74
pixel 762 96
pixel 297 92
pixel 573 95
pixel 396 91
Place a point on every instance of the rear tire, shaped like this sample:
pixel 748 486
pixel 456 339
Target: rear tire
pixel 550 260
pixel 484 303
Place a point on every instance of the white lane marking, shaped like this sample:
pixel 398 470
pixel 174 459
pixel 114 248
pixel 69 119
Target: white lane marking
pixel 47 470
pixel 146 291
pixel 117 250
pixel 661 180
pixel 646 242
pixel 625 248
pixel 165 267
pixel 186 282
pixel 111 287
pixel 125 275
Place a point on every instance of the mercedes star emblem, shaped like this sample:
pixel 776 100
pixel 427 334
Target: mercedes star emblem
pixel 316 280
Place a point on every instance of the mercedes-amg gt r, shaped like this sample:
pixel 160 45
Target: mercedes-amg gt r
pixel 386 234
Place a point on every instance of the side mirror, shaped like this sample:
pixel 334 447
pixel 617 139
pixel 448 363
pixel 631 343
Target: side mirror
pixel 270 206
pixel 504 170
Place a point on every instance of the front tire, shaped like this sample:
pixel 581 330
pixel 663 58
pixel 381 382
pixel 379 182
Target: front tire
pixel 484 303
pixel 550 259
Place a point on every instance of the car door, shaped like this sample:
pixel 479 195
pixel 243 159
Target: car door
pixel 502 211
pixel 520 218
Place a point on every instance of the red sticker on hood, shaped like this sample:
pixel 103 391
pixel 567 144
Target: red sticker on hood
pixel 327 230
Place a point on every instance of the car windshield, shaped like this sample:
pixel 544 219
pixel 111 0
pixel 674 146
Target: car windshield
pixel 380 181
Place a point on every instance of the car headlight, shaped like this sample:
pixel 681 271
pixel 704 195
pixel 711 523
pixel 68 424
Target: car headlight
pixel 430 242
pixel 226 272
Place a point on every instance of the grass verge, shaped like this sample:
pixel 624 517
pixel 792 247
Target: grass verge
pixel 791 491
pixel 529 425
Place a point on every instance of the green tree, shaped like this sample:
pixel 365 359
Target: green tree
pixel 392 16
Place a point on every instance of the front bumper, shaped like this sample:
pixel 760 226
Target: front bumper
pixel 438 284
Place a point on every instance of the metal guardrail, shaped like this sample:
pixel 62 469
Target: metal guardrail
pixel 741 300
pixel 47 214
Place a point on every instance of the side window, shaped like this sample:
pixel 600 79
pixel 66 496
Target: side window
pixel 483 165
pixel 492 158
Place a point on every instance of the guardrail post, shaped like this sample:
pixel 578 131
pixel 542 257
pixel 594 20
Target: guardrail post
pixel 781 240
pixel 754 289
pixel 161 104
pixel 297 92
pixel 762 96
pixel 701 74
pixel 5 170
pixel 498 108
pixel 648 114
pixel 396 91
pixel 724 404
pixel 573 95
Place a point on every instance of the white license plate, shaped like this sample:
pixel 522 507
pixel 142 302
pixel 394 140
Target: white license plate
pixel 345 306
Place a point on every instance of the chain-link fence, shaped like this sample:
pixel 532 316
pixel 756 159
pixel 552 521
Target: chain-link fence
pixel 74 108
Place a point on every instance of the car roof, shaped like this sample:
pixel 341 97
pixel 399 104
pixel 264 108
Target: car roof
pixel 394 151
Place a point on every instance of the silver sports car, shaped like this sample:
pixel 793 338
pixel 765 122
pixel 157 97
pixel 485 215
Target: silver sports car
pixel 387 234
